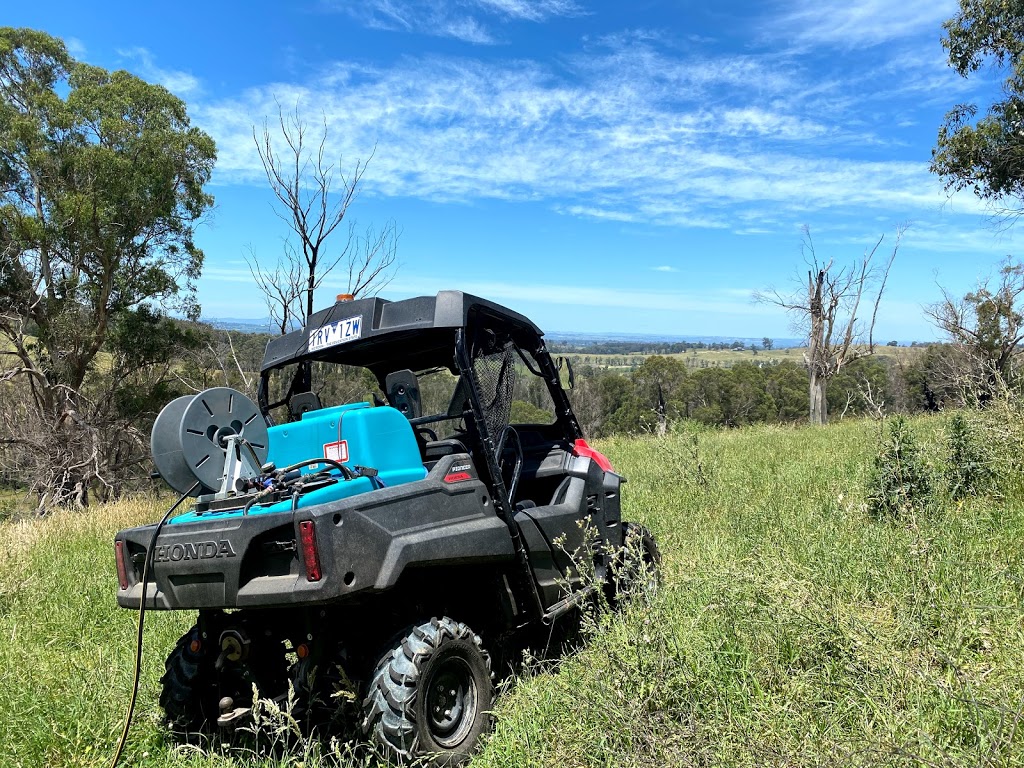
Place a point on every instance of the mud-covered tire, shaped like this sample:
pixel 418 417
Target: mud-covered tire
pixel 189 691
pixel 430 696
pixel 637 567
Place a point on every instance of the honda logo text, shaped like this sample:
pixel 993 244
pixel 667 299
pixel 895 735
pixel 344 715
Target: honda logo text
pixel 200 550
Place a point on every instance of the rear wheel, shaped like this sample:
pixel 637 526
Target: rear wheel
pixel 636 569
pixel 430 696
pixel 193 686
pixel 189 695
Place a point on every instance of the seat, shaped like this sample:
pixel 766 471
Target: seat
pixel 403 392
pixel 303 403
pixel 435 449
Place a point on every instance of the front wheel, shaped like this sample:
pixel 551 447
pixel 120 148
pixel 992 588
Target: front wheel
pixel 430 696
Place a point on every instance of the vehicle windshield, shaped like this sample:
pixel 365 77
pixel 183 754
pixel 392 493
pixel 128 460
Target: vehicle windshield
pixel 511 389
pixel 336 384
pixel 332 384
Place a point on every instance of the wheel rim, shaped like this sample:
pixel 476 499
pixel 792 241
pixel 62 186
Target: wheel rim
pixel 451 703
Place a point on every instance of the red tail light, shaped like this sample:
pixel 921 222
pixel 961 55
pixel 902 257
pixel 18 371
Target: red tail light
pixel 122 571
pixel 310 556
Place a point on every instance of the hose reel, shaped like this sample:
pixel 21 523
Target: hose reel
pixel 213 438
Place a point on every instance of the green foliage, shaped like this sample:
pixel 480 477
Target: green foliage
pixel 986 328
pixel 609 402
pixel 101 188
pixel 106 186
pixel 901 483
pixel 985 155
pixel 528 413
pixel 969 470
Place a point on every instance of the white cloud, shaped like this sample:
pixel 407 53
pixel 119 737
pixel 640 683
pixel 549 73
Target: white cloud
pixel 75 47
pixel 529 10
pixel 177 82
pixel 626 134
pixel 441 18
pixel 227 275
pixel 576 295
pixel 664 269
pixel 853 23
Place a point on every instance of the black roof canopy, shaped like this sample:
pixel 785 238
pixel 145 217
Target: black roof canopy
pixel 417 333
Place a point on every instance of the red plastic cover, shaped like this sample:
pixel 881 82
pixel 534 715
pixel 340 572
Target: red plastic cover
pixel 581 448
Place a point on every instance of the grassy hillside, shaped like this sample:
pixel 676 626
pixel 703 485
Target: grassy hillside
pixel 792 628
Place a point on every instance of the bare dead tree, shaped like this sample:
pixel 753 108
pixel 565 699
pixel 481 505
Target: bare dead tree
pixel 872 397
pixel 986 329
pixel 829 311
pixel 313 198
pixel 282 287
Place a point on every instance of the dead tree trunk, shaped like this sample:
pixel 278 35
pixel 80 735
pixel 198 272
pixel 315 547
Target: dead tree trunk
pixel 816 348
pixel 829 310
pixel 819 406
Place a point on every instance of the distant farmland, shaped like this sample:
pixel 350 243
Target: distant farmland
pixel 723 358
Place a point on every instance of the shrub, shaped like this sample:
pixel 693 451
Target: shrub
pixel 968 467
pixel 900 483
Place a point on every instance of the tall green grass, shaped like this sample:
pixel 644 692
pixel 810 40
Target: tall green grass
pixel 791 629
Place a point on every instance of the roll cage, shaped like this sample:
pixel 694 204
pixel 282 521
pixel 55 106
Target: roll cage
pixel 478 341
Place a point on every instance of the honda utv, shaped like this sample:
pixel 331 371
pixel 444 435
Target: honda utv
pixel 384 547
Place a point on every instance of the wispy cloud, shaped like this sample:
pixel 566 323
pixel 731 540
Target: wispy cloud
pixel 853 23
pixel 469 21
pixel 664 269
pixel 627 133
pixel 176 81
pixel 718 302
pixel 530 10
pixel 75 47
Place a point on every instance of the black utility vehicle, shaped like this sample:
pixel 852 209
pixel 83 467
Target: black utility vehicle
pixel 385 549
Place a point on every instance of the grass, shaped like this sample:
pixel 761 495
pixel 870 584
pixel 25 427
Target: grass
pixel 792 629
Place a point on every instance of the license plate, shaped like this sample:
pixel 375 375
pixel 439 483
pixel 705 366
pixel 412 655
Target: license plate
pixel 335 333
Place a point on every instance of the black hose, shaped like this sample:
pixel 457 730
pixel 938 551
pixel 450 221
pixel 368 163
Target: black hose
pixel 254 499
pixel 347 473
pixel 142 618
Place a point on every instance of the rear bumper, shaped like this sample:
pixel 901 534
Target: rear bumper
pixel 364 544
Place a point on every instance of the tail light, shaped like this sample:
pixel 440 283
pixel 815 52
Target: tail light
pixel 122 570
pixel 310 556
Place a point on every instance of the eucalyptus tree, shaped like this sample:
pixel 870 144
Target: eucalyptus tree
pixel 986 154
pixel 986 331
pixel 101 187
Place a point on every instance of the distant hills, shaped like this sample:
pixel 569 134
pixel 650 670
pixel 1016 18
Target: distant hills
pixel 574 338
pixel 588 339
pixel 245 325
pixel 569 338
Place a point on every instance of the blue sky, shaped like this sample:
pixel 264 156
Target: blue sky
pixel 632 167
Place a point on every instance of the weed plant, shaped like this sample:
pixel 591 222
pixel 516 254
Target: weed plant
pixel 969 470
pixel 791 628
pixel 901 484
